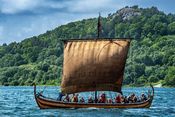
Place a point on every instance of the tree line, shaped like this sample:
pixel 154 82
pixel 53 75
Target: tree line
pixel 151 56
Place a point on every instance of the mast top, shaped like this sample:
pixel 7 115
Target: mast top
pixel 99 28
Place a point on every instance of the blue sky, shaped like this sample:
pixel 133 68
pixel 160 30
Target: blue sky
pixel 20 19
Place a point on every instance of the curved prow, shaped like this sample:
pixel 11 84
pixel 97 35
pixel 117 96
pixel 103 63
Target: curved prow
pixel 34 89
pixel 35 95
pixel 152 89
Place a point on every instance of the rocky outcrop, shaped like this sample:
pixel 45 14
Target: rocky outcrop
pixel 127 12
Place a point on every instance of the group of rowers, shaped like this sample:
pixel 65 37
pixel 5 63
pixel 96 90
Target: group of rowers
pixel 103 99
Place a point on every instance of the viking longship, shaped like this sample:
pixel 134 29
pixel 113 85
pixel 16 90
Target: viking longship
pixel 92 65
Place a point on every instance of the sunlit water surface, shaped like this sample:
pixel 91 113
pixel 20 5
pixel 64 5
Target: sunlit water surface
pixel 19 102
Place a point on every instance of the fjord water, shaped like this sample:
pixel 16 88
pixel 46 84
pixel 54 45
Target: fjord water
pixel 19 102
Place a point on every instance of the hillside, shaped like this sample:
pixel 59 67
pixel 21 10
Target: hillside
pixel 151 57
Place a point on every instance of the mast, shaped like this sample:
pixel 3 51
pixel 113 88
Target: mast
pixel 101 62
pixel 99 26
pixel 98 36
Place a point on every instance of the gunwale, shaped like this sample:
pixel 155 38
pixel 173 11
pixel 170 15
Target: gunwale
pixel 49 103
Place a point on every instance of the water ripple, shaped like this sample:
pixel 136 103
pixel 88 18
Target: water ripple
pixel 19 102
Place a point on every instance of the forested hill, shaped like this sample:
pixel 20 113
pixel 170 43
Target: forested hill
pixel 151 57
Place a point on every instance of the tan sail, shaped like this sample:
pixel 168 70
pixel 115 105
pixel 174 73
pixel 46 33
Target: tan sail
pixel 94 65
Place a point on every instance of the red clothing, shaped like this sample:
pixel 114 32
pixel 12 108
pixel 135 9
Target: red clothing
pixel 75 99
pixel 118 99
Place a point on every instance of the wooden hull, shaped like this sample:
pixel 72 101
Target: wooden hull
pixel 47 103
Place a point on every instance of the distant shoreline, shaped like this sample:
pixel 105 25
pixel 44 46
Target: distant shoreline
pixel 158 85
pixel 124 86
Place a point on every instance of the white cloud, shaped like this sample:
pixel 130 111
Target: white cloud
pixel 50 4
pixel 59 12
pixel 15 6
pixel 25 18
pixel 71 6
pixel 86 6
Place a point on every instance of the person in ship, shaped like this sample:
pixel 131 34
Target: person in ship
pixel 102 98
pixel 110 101
pixel 143 97
pixel 135 98
pixel 82 100
pixel 75 98
pixel 118 98
pixel 125 99
pixel 122 99
pixel 90 100
pixel 60 95
pixel 66 99
pixel 132 98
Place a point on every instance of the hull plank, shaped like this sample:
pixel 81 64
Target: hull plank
pixel 47 103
